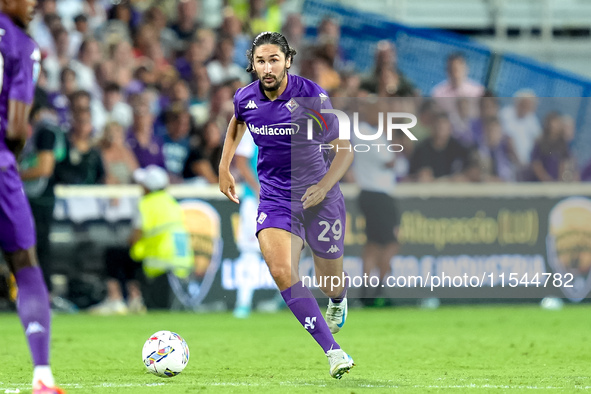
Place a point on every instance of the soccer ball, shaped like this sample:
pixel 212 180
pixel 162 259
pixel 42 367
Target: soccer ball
pixel 165 354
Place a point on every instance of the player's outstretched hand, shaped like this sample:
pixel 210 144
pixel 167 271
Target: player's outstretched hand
pixel 313 196
pixel 228 186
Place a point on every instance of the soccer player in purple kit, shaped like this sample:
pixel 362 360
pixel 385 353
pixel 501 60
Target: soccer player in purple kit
pixel 300 199
pixel 19 69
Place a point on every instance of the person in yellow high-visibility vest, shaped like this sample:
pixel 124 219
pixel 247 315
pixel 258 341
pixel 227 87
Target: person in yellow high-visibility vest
pixel 159 241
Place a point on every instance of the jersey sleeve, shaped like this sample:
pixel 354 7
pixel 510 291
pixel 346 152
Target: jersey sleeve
pixel 22 87
pixel 237 110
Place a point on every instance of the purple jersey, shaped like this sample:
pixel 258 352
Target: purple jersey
pixel 19 69
pixel 287 162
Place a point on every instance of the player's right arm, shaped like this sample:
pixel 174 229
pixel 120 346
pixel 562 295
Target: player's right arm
pixel 236 130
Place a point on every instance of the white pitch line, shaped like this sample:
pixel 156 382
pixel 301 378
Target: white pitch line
pixel 4 387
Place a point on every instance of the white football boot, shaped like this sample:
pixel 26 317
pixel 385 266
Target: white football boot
pixel 336 314
pixel 340 363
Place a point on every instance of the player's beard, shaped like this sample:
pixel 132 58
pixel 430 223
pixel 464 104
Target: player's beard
pixel 277 83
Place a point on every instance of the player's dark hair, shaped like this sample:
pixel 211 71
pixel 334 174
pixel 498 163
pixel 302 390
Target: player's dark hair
pixel 272 38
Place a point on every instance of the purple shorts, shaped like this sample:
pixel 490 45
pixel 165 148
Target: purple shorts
pixel 322 226
pixel 17 229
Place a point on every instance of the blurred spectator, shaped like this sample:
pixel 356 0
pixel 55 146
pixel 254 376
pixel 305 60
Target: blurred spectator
pixel 41 26
pixel 198 167
pixel 497 159
pixel 116 110
pixel 329 31
pixel 457 83
pixel 81 26
pixel 551 159
pixel 385 78
pixel 96 14
pixel 168 38
pixel 428 111
pixel 350 84
pixel 118 159
pixel 205 158
pixel 375 176
pixel 207 40
pixel 221 108
pixel 232 27
pixel 488 107
pixel 79 33
pixel 81 99
pixel 119 23
pixel 324 74
pixel 55 63
pixel 59 100
pixel 67 10
pixel 146 147
pixel 294 30
pixel 200 95
pixel 121 63
pixel 569 129
pixel 192 58
pixel 171 88
pixel 222 69
pixel 46 147
pixel 441 155
pixel 82 164
pixel 462 120
pixel 176 144
pixel 186 23
pixel 89 56
pixel 520 122
pixel 213 143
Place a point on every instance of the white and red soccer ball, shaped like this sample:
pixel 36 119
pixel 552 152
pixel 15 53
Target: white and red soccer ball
pixel 165 354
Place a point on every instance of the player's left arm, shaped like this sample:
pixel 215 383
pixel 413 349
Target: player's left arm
pixel 339 166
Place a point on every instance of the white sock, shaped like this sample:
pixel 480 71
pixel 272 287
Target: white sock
pixel 43 373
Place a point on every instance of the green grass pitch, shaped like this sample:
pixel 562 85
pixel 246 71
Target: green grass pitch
pixel 451 349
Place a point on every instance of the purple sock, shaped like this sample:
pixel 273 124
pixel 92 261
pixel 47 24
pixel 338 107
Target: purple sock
pixel 344 292
pixel 33 308
pixel 305 309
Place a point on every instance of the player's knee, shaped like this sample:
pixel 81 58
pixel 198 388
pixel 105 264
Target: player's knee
pixel 280 272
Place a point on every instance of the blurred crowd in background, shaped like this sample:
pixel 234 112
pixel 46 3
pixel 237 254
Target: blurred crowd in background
pixel 128 84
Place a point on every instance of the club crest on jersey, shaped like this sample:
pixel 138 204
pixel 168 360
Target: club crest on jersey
pixel 292 105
